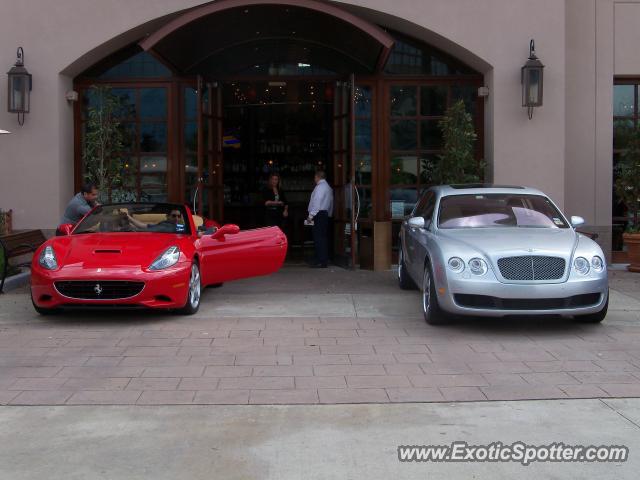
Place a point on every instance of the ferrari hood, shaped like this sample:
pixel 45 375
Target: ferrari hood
pixel 498 242
pixel 112 250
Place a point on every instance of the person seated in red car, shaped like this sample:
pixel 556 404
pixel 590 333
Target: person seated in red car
pixel 169 225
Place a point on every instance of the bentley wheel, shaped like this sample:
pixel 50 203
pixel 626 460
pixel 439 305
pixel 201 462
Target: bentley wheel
pixel 404 280
pixel 195 289
pixel 594 317
pixel 433 315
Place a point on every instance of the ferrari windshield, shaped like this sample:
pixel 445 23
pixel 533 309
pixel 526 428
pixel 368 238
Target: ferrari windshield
pixel 135 217
pixel 499 210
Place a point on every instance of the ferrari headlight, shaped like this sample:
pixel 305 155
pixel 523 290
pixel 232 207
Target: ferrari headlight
pixel 597 264
pixel 48 258
pixel 581 265
pixel 169 258
pixel 478 266
pixel 456 264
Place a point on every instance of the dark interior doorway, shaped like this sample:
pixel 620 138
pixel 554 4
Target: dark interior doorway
pixel 275 126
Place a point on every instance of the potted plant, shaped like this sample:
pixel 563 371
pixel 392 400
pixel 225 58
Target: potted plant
pixel 627 186
pixel 103 142
pixel 456 163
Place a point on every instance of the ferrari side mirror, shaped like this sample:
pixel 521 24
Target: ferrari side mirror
pixel 228 229
pixel 66 228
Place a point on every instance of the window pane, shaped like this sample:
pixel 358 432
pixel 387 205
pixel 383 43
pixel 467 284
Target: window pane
pixel 404 169
pixel 363 101
pixel 433 100
pixel 363 169
pixel 153 137
pixel 363 134
pixel 153 164
pixel 403 135
pixel 403 101
pixel 430 134
pixel 190 103
pixel 623 100
pixel 191 136
pixel 428 163
pixel 129 172
pixel 468 94
pixel 127 99
pixel 153 103
pixel 364 195
pixel 621 131
pixel 140 65
pixel 128 136
pixel 402 201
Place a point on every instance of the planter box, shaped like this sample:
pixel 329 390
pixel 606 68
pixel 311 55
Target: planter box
pixel 632 241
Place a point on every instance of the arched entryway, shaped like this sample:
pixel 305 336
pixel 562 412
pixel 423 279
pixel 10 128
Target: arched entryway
pixel 228 92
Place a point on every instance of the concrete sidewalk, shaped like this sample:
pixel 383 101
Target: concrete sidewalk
pixel 305 442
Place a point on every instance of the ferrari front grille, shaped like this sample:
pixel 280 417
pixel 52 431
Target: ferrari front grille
pixel 99 289
pixel 531 267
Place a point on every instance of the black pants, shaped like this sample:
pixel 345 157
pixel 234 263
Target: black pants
pixel 321 237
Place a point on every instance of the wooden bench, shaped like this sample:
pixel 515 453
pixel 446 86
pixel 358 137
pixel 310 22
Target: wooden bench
pixel 17 244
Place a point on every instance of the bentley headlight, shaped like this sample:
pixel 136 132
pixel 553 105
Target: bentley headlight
pixel 581 265
pixel 478 266
pixel 456 264
pixel 169 258
pixel 48 258
pixel 597 264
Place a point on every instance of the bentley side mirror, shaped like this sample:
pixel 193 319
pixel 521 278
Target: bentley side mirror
pixel 417 222
pixel 576 221
pixel 66 228
pixel 228 229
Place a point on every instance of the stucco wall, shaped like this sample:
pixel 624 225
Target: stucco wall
pixel 493 35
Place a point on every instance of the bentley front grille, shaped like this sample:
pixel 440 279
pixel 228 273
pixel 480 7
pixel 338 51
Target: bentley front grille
pixel 99 289
pixel 531 267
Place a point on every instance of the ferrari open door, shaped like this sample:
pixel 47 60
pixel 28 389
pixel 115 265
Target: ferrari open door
pixel 247 253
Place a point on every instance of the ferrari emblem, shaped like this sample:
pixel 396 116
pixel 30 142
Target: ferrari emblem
pixel 97 289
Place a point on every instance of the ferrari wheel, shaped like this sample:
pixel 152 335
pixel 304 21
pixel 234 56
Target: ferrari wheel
pixel 433 315
pixel 43 311
pixel 195 289
pixel 404 281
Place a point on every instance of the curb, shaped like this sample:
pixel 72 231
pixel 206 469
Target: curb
pixel 16 281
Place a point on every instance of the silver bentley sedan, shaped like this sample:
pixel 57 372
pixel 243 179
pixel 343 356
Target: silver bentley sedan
pixel 489 250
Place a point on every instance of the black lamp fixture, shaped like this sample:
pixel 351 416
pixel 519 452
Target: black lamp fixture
pixel 19 88
pixel 531 78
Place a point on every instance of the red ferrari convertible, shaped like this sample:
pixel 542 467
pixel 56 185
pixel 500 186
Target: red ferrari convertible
pixel 152 255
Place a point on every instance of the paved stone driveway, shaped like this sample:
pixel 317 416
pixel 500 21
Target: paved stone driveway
pixel 307 337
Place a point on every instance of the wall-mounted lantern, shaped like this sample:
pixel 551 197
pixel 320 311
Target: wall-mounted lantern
pixel 531 78
pixel 19 88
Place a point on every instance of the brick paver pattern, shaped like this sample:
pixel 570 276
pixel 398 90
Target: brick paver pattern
pixel 173 360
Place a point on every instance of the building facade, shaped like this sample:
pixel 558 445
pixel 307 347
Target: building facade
pixel 215 96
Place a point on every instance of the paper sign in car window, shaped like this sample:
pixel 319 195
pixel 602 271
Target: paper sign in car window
pixel 179 227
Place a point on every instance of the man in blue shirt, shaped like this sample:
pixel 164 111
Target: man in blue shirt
pixel 320 209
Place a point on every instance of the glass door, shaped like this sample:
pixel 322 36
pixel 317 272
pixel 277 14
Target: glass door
pixel 346 201
pixel 210 171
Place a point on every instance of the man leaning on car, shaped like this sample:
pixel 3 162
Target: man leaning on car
pixel 80 205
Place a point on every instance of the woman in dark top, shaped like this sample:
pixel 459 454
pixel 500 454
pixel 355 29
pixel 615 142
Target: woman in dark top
pixel 275 202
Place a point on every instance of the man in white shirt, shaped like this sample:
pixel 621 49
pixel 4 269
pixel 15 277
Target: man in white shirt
pixel 320 209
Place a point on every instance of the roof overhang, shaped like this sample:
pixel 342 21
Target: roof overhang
pixel 212 38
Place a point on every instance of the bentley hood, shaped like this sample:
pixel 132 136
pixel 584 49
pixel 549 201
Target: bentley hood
pixel 494 243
